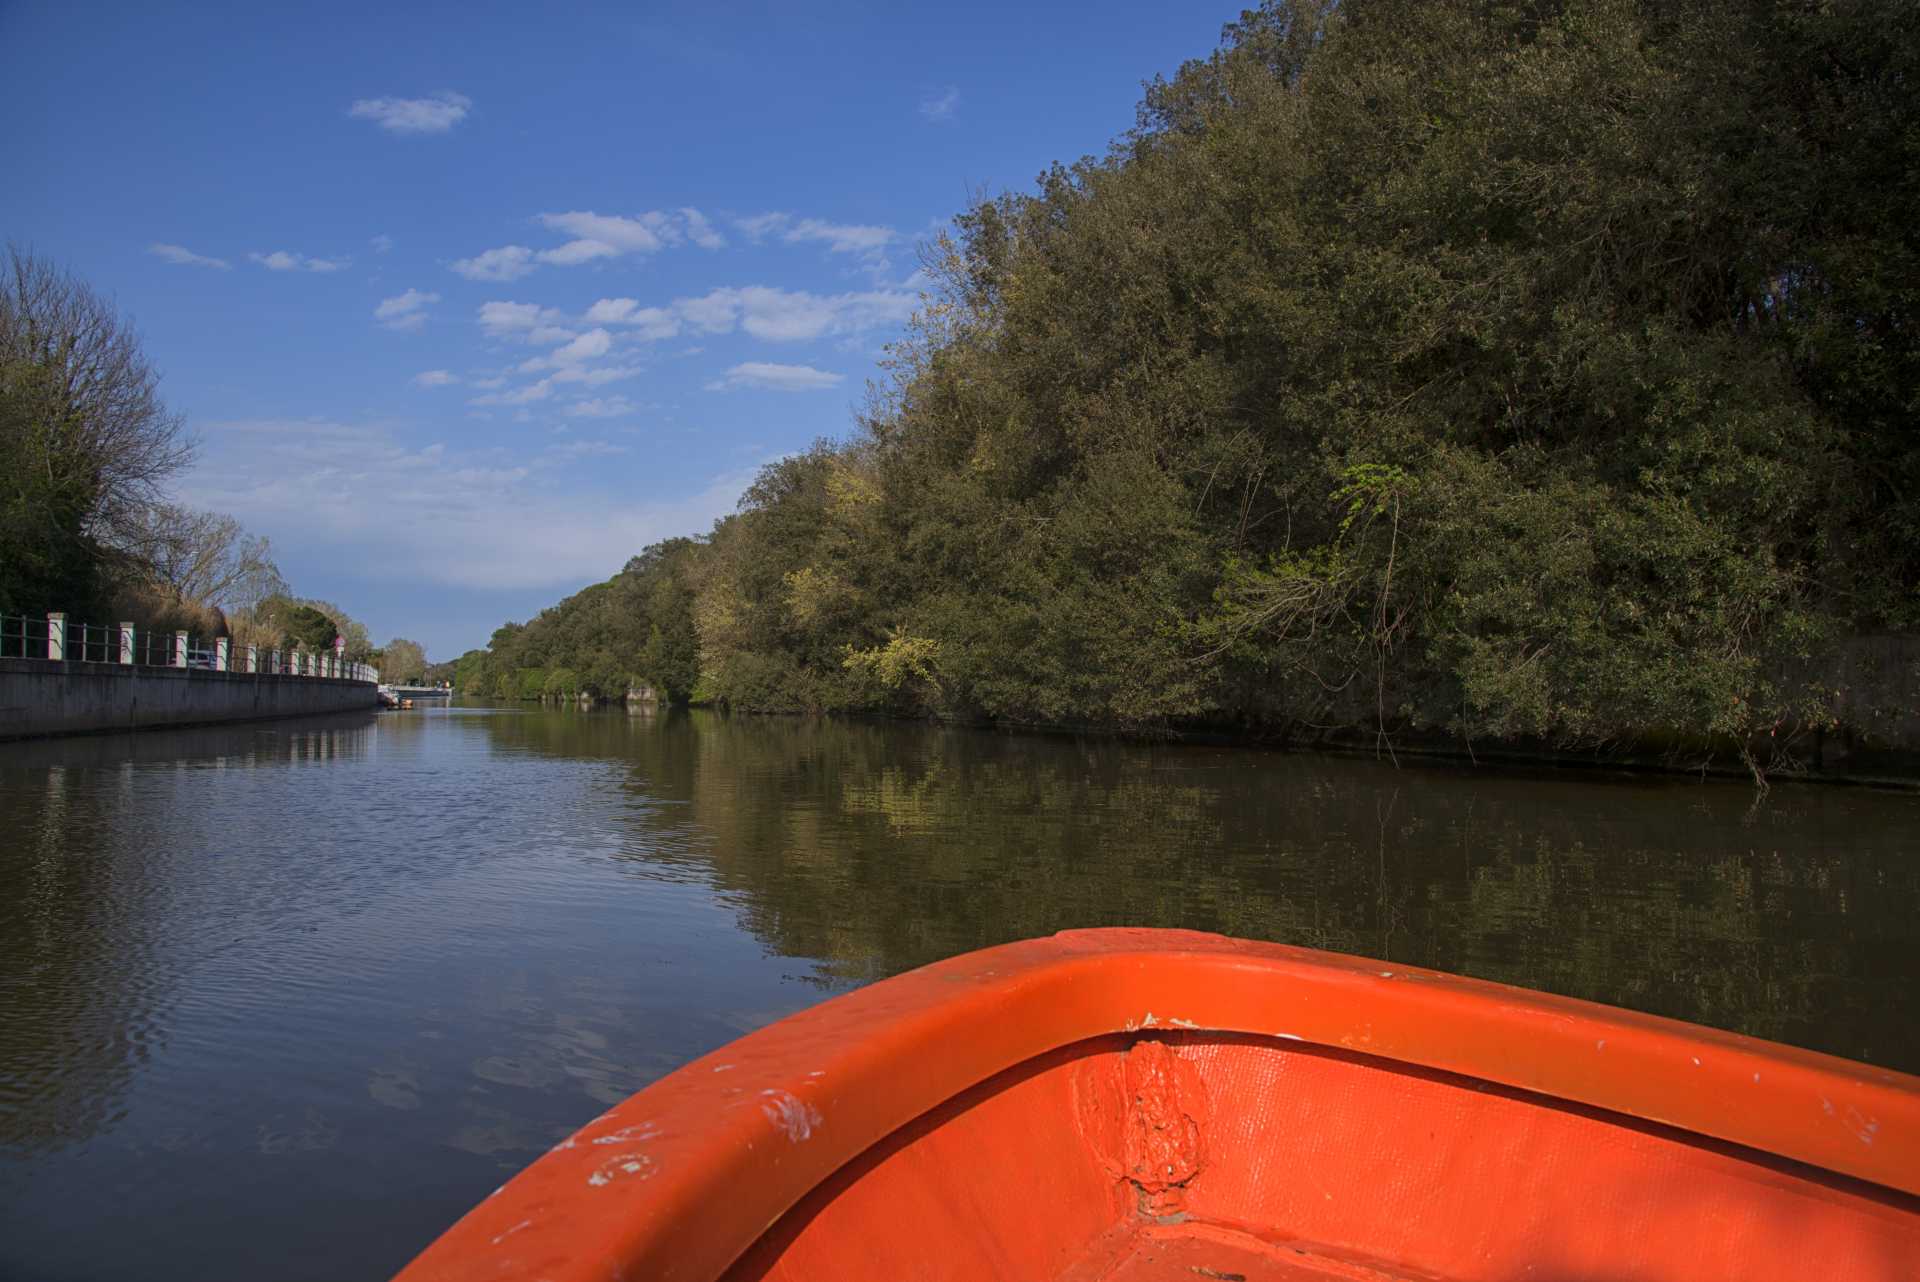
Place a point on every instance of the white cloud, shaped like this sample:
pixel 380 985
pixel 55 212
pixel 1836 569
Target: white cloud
pixel 940 107
pixel 777 378
pixel 589 346
pixel 602 407
pixel 782 316
pixel 500 319
pixel 435 115
pixel 359 495
pixel 185 257
pixel 406 312
pixel 585 449
pixel 615 235
pixel 382 243
pixel 760 226
pixel 435 378
pixel 839 238
pixel 701 231
pixel 285 260
pixel 532 392
pixel 596 377
pixel 651 323
pixel 611 311
pixel 575 252
pixel 509 262
pixel 547 335
pixel 594 236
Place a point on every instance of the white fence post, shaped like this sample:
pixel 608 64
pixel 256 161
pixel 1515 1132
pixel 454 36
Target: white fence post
pixel 56 637
pixel 126 643
pixel 221 650
pixel 179 649
pixel 253 658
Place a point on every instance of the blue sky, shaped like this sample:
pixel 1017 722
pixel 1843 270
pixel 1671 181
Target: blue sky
pixel 466 304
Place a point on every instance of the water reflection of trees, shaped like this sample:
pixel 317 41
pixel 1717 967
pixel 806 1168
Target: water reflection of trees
pixel 93 828
pixel 870 849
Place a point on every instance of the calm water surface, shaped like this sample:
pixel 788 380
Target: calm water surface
pixel 284 1000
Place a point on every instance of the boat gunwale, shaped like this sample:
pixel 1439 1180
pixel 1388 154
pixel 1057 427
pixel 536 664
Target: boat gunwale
pixel 677 1181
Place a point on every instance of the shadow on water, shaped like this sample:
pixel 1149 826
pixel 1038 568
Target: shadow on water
pixel 869 849
pixel 312 988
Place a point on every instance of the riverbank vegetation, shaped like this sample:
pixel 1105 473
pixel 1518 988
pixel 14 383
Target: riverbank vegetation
pixel 1501 370
pixel 89 448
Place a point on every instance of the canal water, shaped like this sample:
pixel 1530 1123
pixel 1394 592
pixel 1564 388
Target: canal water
pixel 283 1000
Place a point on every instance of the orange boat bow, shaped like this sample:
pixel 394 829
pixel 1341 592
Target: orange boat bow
pixel 1147 1103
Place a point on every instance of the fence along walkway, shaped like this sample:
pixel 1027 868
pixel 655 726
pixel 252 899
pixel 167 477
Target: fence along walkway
pixel 56 640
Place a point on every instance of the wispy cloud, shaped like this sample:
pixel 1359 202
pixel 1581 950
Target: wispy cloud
pixel 185 257
pixel 285 260
pixel 605 235
pixel 585 449
pixel 527 395
pixel 939 107
pixel 433 115
pixel 866 241
pixel 435 378
pixel 405 312
pixel 595 376
pixel 760 226
pixel 777 378
pixel 594 236
pixel 382 243
pixel 590 351
pixel 602 407
pixel 590 346
pixel 361 494
pixel 509 262
pixel 839 238
pixel 505 319
pixel 785 316
pixel 701 231
pixel 650 324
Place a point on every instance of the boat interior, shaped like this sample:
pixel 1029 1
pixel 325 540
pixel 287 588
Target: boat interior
pixel 1176 1155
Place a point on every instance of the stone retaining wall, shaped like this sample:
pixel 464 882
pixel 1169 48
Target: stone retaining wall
pixel 39 697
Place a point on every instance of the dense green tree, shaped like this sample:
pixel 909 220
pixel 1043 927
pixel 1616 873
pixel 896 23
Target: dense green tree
pixel 1511 370
pixel 636 627
pixel 402 661
pixel 302 625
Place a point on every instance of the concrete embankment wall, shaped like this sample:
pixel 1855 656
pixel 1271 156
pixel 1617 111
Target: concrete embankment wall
pixel 38 697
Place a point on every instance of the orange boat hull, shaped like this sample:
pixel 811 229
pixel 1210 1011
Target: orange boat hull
pixel 1161 1104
